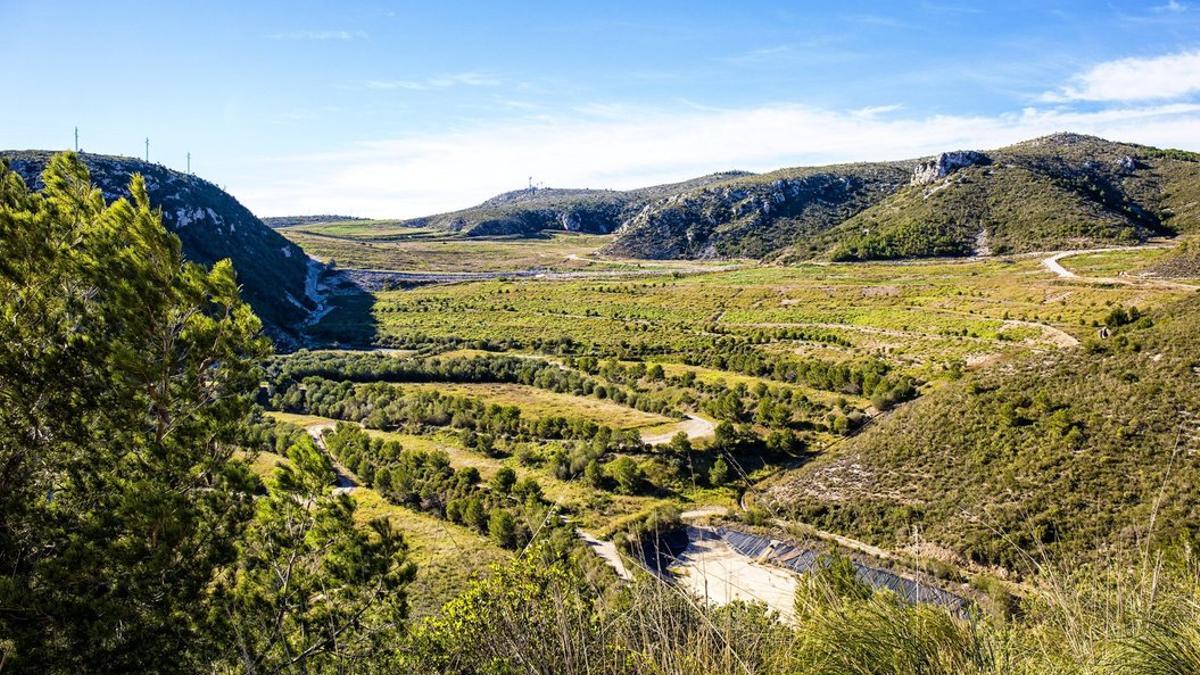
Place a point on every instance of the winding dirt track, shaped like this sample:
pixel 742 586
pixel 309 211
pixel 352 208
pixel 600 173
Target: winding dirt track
pixel 1054 265
pixel 343 481
pixel 695 427
pixel 607 551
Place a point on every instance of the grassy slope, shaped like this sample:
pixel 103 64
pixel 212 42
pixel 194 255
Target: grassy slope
pixel 1182 262
pixel 1062 454
pixel 447 555
pixel 1054 192
pixel 1062 191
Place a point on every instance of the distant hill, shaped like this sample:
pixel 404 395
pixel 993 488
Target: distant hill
pixel 291 221
pixel 1063 190
pixel 530 211
pixel 1060 191
pixel 277 277
pixel 1069 455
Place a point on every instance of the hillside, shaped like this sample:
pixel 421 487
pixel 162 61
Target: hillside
pixel 756 216
pixel 1067 455
pixel 292 221
pixel 212 225
pixel 530 211
pixel 1059 191
pixel 1181 262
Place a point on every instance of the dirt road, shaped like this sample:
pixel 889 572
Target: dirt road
pixel 607 552
pixel 343 481
pixel 1054 265
pixel 694 426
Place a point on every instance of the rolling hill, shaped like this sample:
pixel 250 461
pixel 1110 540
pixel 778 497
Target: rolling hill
pixel 277 277
pixel 529 211
pixel 1059 191
pixel 1072 455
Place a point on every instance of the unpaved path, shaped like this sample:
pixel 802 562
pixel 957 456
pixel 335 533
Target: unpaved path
pixel 344 481
pixel 1055 336
pixel 704 512
pixel 1054 265
pixel 608 553
pixel 694 426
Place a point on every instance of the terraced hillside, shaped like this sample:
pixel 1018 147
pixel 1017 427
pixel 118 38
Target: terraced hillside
pixel 276 276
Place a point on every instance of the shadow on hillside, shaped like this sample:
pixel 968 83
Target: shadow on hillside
pixel 350 320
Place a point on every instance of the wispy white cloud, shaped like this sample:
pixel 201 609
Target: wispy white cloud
pixel 761 55
pixel 320 35
pixel 1171 76
pixel 876 110
pixel 1172 6
pixel 877 20
pixel 619 146
pixel 469 79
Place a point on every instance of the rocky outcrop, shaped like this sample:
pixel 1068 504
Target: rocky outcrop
pixel 211 225
pixel 945 164
pixel 754 216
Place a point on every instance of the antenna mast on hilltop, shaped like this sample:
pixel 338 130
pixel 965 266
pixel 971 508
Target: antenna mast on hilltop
pixel 189 163
pixel 76 139
pixel 147 149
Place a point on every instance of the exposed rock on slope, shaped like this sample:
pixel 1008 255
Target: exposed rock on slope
pixel 756 216
pixel 529 212
pixel 945 164
pixel 1059 191
pixel 277 277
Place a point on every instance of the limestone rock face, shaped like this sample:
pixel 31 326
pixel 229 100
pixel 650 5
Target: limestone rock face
pixel 945 164
pixel 211 225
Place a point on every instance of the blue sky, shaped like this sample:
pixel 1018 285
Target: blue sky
pixel 401 109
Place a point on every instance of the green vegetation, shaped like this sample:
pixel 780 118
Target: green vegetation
pixel 378 246
pixel 1060 191
pixel 173 497
pixel 538 618
pixel 1076 454
pixel 130 535
pixel 212 226
pixel 1182 262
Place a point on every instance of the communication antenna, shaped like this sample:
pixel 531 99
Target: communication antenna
pixel 76 139
pixel 189 165
pixel 147 149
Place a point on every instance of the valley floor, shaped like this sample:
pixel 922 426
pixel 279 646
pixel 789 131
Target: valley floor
pixel 806 353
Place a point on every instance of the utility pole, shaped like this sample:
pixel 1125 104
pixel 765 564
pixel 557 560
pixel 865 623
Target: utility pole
pixel 147 149
pixel 76 139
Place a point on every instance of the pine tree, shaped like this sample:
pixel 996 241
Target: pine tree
pixel 125 376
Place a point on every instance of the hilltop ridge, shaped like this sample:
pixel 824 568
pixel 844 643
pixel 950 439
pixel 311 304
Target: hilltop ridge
pixel 1062 190
pixel 278 279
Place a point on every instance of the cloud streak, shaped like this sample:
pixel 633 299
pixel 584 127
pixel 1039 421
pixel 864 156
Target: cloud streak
pixel 632 147
pixel 469 79
pixel 320 35
pixel 1167 77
